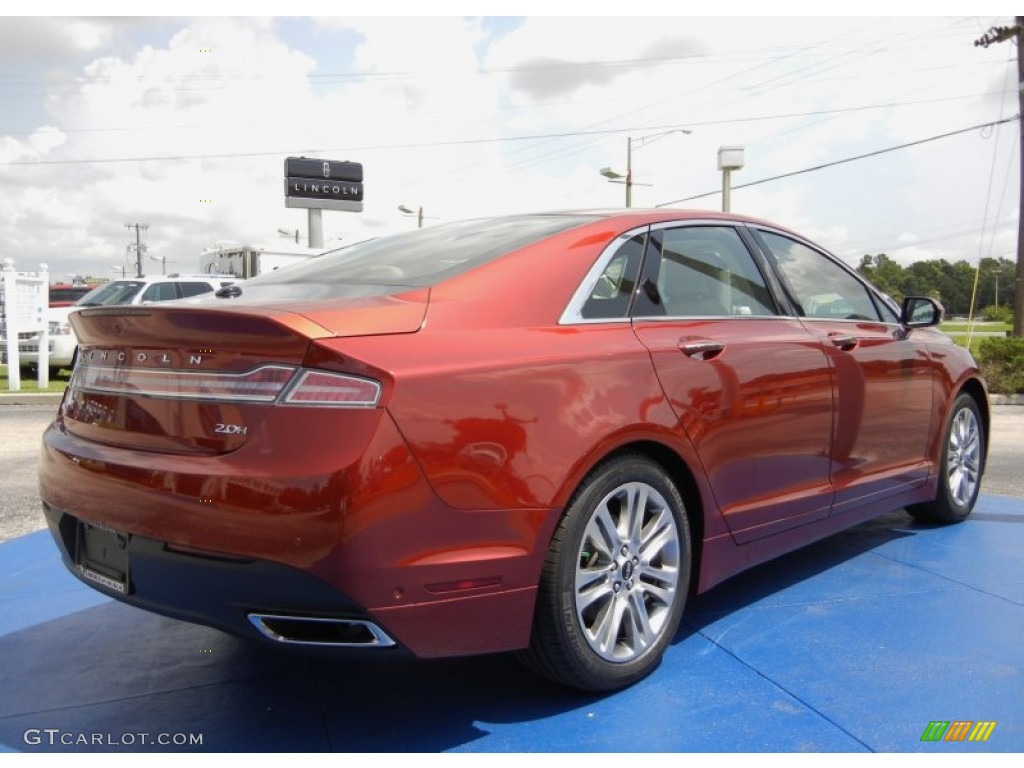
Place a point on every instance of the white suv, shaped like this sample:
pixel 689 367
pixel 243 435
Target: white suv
pixel 140 290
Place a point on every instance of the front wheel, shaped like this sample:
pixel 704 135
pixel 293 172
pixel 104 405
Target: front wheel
pixel 960 468
pixel 615 579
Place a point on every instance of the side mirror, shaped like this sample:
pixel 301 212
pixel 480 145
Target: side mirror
pixel 920 312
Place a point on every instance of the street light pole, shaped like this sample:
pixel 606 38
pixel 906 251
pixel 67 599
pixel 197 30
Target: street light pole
pixel 618 178
pixel 629 171
pixel 410 212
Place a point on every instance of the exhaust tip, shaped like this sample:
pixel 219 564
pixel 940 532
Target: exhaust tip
pixel 317 630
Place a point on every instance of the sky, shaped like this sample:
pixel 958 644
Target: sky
pixel 183 123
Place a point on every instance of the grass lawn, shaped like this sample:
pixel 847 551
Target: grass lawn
pixel 961 327
pixel 29 384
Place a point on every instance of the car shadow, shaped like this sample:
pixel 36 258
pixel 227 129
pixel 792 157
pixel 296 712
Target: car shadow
pixel 784 573
pixel 115 671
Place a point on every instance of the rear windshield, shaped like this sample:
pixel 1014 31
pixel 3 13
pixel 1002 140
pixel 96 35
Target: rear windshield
pixel 426 256
pixel 114 292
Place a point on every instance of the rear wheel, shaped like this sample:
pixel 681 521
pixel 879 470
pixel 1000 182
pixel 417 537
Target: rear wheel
pixel 615 579
pixel 963 458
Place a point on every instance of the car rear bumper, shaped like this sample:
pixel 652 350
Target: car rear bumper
pixel 359 537
pixel 217 591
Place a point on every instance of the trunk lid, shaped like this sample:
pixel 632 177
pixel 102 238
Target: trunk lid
pixel 199 377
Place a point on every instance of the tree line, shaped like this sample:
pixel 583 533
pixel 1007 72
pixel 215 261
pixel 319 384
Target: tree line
pixel 950 283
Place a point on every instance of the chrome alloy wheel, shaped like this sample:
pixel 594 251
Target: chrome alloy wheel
pixel 963 456
pixel 627 572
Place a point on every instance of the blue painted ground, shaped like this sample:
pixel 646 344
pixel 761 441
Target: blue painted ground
pixel 852 645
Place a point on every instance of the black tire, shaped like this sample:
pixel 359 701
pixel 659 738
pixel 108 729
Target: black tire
pixel 960 466
pixel 615 579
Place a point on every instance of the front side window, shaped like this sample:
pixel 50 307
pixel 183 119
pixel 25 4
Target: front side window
pixel 819 287
pixel 707 271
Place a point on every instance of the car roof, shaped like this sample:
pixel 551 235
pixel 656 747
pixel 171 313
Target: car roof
pixel 651 215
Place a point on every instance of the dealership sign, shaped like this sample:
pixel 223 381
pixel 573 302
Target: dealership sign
pixel 333 184
pixel 24 298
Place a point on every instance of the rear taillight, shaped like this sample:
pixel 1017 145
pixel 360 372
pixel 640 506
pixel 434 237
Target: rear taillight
pixel 327 390
pixel 260 385
pixel 266 384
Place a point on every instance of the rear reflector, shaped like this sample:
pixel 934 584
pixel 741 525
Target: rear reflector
pixel 260 385
pixel 316 388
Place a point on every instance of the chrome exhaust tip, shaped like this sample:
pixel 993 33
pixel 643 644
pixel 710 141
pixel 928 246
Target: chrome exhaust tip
pixel 317 630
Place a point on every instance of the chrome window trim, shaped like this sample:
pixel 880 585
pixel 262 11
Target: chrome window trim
pixel 736 224
pixel 573 313
pixel 703 318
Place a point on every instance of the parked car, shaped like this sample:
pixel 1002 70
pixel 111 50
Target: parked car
pixel 143 290
pixel 535 433
pixel 66 294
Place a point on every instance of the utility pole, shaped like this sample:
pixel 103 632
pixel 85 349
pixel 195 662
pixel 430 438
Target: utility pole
pixel 140 248
pixel 1001 35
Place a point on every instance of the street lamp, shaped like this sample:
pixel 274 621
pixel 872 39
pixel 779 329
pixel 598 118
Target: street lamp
pixel 729 159
pixel 627 179
pixel 418 213
pixel 163 263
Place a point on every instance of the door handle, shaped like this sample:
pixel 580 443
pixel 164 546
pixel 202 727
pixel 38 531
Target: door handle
pixel 843 341
pixel 702 350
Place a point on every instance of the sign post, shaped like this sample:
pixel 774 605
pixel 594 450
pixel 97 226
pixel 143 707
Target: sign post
pixel 317 184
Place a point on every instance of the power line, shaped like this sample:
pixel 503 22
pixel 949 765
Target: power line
pixel 845 160
pixel 366 147
pixel 695 123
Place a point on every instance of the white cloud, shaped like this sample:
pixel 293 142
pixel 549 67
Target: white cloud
pixel 423 102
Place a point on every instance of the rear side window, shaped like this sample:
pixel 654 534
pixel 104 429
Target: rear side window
pixel 614 289
pixel 426 256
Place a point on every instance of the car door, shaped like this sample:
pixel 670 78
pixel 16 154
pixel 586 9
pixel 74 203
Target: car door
pixel 750 385
pixel 882 379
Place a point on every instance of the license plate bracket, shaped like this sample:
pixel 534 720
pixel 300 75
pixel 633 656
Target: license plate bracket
pixel 101 556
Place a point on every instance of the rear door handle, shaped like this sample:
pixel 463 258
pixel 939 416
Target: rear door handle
pixel 843 341
pixel 702 350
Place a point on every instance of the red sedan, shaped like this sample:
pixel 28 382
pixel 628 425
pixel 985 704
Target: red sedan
pixel 535 433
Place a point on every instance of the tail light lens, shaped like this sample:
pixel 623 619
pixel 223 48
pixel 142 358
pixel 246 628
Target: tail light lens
pixel 321 389
pixel 260 385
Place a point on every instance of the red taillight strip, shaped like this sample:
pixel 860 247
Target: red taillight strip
pixel 260 385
